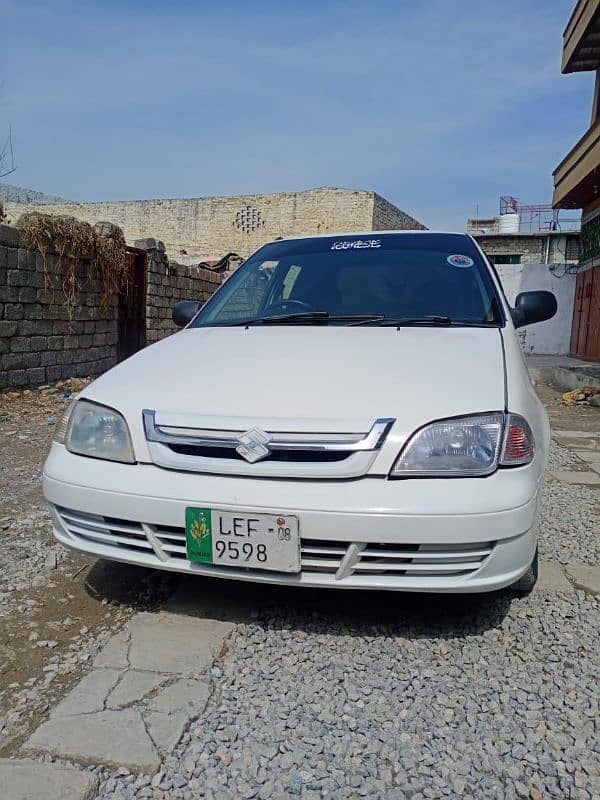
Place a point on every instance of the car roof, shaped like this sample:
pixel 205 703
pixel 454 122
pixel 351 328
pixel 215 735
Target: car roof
pixel 369 233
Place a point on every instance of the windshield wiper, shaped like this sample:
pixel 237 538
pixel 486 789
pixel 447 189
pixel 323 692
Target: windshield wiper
pixel 318 316
pixel 432 319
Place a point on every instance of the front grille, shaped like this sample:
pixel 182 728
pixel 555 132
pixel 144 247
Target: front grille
pixel 122 534
pixel 336 560
pixel 288 456
pixel 171 540
pixel 423 560
pixel 190 443
pixel 317 555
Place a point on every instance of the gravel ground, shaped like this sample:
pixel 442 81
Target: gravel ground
pixel 406 696
pixel 56 608
pixel 28 552
pixel 569 520
pixel 322 695
pixel 483 697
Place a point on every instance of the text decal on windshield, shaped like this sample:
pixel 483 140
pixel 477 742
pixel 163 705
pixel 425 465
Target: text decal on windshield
pixel 356 244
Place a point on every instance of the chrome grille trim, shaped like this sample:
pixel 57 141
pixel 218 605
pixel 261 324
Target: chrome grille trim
pixel 351 443
pixel 309 455
pixel 122 534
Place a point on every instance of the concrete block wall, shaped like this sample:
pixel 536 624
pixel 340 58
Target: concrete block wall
pixel 552 337
pixel 39 342
pixel 532 249
pixel 209 227
pixel 386 217
pixel 169 282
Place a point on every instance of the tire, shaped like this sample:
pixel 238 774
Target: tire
pixel 527 581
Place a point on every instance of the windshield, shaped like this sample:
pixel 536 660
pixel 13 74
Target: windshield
pixel 429 278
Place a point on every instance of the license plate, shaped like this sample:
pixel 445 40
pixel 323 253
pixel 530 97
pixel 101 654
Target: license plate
pixel 234 539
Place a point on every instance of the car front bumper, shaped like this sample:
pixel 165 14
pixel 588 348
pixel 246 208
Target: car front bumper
pixel 429 535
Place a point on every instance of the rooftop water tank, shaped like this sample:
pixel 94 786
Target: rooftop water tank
pixel 509 223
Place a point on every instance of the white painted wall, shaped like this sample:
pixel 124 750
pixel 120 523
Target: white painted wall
pixel 552 337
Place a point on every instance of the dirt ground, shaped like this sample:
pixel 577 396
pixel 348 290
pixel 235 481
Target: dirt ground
pixel 58 608
pixel 581 417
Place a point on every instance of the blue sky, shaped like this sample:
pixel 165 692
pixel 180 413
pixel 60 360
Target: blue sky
pixel 436 105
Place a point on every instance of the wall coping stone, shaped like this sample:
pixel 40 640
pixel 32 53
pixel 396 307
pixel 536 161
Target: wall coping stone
pixel 149 244
pixel 10 235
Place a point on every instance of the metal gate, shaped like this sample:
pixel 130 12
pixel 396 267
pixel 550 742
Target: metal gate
pixel 585 333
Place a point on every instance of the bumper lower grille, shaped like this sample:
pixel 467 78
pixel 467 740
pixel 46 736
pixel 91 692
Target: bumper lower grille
pixel 334 561
pixel 119 533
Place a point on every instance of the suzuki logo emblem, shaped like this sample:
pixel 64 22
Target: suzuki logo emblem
pixel 252 445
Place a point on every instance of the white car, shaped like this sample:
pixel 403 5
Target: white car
pixel 348 411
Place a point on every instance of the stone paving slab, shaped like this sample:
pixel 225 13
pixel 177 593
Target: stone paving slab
pixel 585 577
pixel 168 643
pixel 577 440
pixel 576 434
pixel 187 694
pixel 166 729
pixel 552 578
pixel 146 686
pixel 89 695
pixel 114 738
pixel 582 478
pixel 24 779
pixel 114 653
pixel 590 456
pixel 133 687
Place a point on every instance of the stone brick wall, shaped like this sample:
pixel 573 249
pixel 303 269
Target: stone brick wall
pixel 209 227
pixel 39 343
pixel 169 282
pixel 386 217
pixel 532 249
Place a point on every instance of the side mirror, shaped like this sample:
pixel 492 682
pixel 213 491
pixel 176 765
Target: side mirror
pixel 533 307
pixel 184 312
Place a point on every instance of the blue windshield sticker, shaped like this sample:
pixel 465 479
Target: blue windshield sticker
pixel 355 244
pixel 460 261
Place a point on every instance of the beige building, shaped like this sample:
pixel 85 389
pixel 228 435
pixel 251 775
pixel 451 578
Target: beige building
pixel 209 227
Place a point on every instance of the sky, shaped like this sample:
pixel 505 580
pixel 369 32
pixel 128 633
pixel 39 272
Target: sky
pixel 439 105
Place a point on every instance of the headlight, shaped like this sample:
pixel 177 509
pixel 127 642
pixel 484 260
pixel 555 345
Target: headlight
pixel 98 432
pixel 466 447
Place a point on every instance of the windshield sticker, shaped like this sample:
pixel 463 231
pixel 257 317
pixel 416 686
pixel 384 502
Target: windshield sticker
pixel 460 261
pixel 356 244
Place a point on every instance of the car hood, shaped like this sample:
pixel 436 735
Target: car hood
pixel 308 378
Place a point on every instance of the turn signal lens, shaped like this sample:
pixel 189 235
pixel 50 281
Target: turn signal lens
pixel 61 429
pixel 519 447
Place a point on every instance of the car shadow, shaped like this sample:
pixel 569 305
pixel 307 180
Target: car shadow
pixel 347 612
pixel 344 612
pixel 139 588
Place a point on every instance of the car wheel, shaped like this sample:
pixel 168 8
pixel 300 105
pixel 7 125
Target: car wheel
pixel 527 581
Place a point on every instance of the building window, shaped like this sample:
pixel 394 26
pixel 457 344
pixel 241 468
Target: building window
pixel 572 248
pixel 505 258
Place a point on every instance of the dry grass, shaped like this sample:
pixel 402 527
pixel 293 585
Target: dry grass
pixel 102 247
